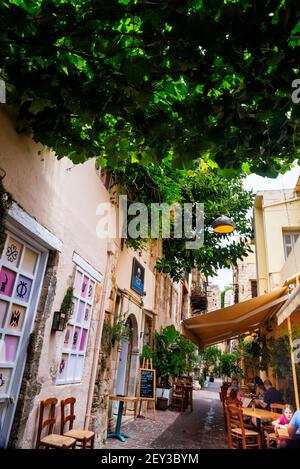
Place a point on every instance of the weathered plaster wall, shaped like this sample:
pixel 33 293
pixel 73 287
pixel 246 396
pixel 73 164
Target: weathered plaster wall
pixel 63 198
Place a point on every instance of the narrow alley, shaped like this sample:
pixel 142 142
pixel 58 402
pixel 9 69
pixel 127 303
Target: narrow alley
pixel 202 428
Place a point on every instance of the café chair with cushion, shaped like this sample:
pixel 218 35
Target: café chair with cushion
pixel 51 440
pixel 238 435
pixel 84 438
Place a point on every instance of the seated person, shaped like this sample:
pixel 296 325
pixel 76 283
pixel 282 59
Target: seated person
pixel 235 387
pixel 294 425
pixel 232 397
pixel 284 420
pixel 271 396
pixel 294 432
pixel 260 392
pixel 257 382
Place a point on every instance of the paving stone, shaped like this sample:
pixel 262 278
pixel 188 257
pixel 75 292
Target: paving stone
pixel 200 429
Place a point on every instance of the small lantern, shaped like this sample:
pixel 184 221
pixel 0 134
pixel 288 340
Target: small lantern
pixel 59 321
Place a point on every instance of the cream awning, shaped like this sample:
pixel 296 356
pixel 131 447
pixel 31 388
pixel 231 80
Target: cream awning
pixel 290 306
pixel 230 322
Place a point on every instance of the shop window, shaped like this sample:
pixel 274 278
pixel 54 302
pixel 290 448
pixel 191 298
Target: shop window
pixel 71 364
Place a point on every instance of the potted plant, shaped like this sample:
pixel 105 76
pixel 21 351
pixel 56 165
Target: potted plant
pixel 172 356
pixel 201 381
pixel 161 401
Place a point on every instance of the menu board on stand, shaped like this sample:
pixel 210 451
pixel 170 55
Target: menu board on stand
pixel 147 387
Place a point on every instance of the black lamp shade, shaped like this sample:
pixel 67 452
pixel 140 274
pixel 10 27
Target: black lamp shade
pixel 223 224
pixel 59 320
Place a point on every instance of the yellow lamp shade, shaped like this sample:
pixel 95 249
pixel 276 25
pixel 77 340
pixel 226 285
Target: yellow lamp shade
pixel 223 224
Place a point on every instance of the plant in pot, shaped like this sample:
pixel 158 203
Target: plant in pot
pixel 210 358
pixel 201 381
pixel 161 401
pixel 174 356
pixel 229 365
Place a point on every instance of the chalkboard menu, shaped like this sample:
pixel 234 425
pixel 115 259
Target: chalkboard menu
pixel 147 383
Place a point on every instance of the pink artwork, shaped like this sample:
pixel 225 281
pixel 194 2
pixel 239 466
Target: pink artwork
pixel 76 338
pixel 91 291
pixel 13 251
pixel 10 346
pixel 7 280
pixel 16 319
pixel 62 369
pixel 68 336
pixel 23 288
pixel 84 287
pixel 86 314
pixel 83 340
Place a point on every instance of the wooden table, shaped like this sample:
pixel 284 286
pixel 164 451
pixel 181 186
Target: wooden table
pixel 117 433
pixel 261 414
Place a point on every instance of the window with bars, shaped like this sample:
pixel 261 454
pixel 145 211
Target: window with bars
pixel 70 369
pixel 289 240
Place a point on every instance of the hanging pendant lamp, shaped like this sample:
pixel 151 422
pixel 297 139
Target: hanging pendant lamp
pixel 223 224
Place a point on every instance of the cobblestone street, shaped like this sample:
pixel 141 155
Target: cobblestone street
pixel 200 429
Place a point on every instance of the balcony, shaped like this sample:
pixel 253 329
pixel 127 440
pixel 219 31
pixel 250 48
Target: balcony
pixel 198 303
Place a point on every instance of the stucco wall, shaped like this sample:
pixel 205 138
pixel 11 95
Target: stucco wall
pixel 124 275
pixel 274 213
pixel 63 198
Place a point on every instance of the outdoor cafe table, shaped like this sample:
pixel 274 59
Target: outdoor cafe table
pixel 261 414
pixel 117 433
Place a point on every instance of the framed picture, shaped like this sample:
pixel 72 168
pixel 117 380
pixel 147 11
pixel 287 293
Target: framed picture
pixel 137 277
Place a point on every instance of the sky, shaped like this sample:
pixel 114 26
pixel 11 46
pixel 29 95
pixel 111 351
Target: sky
pixel 258 183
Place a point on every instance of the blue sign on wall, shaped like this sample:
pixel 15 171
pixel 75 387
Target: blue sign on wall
pixel 137 277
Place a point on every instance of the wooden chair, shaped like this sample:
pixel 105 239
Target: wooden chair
pixel 244 389
pixel 223 394
pixel 277 407
pixel 237 433
pixel 84 438
pixel 51 440
pixel 178 396
pixel 272 437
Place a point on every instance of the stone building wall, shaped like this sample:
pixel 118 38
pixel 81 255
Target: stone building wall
pixel 213 297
